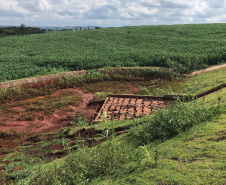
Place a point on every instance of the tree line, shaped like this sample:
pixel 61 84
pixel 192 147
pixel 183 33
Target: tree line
pixel 20 30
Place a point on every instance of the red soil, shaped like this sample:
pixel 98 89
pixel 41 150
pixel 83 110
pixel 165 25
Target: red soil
pixel 17 130
pixel 18 109
pixel 54 147
pixel 41 121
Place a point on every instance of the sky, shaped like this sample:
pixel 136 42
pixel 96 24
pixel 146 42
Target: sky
pixel 110 13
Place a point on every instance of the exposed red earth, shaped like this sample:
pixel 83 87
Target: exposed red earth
pixel 46 122
pixel 41 122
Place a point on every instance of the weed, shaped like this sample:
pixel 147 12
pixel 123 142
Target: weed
pixel 86 164
pixel 156 156
pixel 105 116
pixel 11 134
pixel 152 82
pixel 64 143
pixel 157 91
pixel 79 120
pixel 148 158
pixel 98 96
pixel 144 90
pixel 219 103
pixel 172 121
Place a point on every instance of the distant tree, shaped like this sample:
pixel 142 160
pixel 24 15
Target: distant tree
pixel 22 29
pixel 13 30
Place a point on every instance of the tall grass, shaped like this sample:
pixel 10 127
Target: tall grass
pixel 86 164
pixel 169 122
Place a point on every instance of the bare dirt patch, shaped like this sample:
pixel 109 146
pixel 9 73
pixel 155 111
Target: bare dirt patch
pixel 18 109
pixel 205 70
pixel 38 116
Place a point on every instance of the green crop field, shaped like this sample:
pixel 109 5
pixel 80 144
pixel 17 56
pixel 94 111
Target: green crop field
pixel 184 47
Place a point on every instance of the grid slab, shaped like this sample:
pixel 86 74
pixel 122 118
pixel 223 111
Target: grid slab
pixel 122 108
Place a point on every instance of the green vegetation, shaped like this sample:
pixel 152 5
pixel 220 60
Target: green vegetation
pixel 13 30
pixel 86 164
pixel 203 82
pixel 195 156
pixel 188 86
pixel 100 96
pixel 172 121
pixel 182 47
pixel 114 74
pixel 184 144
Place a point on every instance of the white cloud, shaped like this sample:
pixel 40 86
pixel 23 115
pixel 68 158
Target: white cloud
pixel 139 10
pixel 44 5
pixel 220 19
pixel 11 9
pixel 110 12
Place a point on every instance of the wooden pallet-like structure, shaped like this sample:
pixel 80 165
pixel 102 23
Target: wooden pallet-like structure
pixel 123 107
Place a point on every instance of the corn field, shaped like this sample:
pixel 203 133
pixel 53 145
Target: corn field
pixel 184 47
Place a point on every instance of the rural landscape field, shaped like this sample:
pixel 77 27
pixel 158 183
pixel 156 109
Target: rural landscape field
pixel 186 47
pixel 47 130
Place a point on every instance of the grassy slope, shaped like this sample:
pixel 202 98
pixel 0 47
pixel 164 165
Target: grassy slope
pixel 194 157
pixel 191 85
pixel 204 82
pixel 186 47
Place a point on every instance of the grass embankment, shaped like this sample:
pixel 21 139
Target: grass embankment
pixel 182 145
pixel 183 47
pixel 188 86
pixel 125 75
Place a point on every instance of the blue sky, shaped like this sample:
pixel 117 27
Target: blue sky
pixel 110 12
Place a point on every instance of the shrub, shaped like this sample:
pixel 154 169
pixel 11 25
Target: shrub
pixel 172 121
pixel 87 164
pixel 144 90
